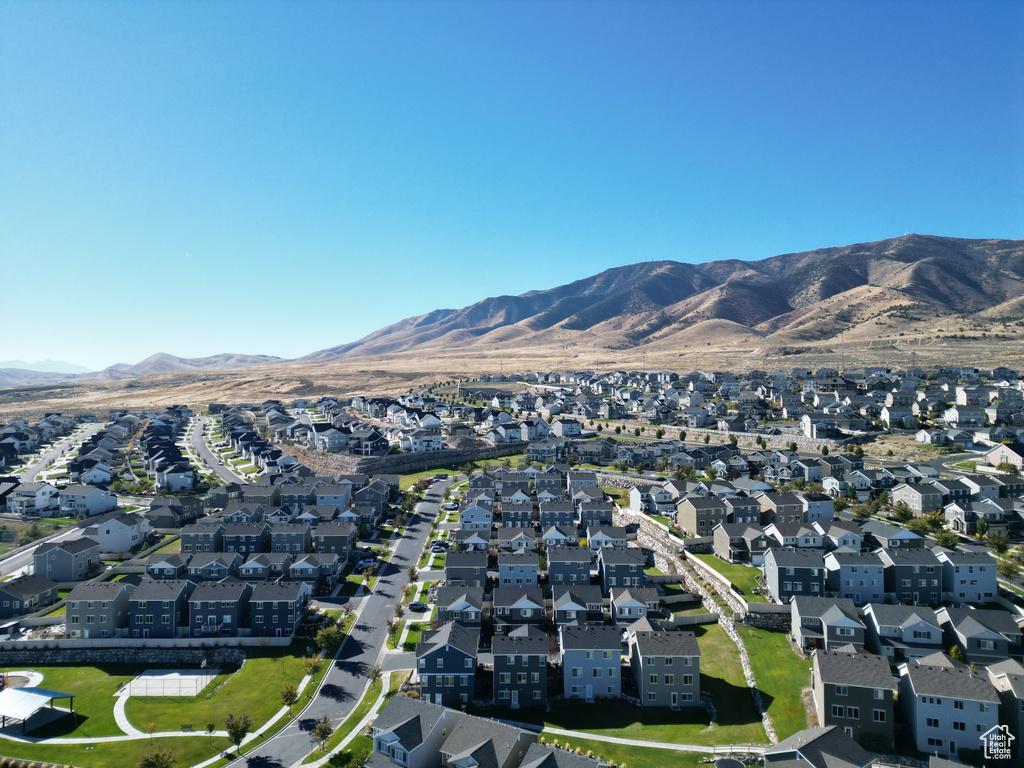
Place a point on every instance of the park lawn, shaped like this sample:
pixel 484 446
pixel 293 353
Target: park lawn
pixel 634 757
pixel 188 750
pixel 94 689
pixel 254 689
pixel 781 677
pixel 743 577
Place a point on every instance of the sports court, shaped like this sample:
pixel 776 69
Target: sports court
pixel 171 682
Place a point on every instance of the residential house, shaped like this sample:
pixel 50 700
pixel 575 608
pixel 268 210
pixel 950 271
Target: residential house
pixel 517 567
pixel 629 604
pixel 446 664
pixel 466 569
pixel 123 533
pixel 698 516
pixel 265 565
pixel 219 610
pixel 902 632
pixel 969 577
pixel 591 660
pixel 792 572
pixel 79 501
pixel 568 565
pixel 920 498
pixel 409 732
pixel 1007 677
pixel 605 537
pixel 159 608
pixel 71 560
pixel 516 539
pixel 577 605
pixel 214 566
pixel 464 605
pixel 520 667
pixel 879 534
pixel 947 707
pixel 517 514
pixel 513 606
pixel 293 538
pixel 246 538
pixel 741 543
pixel 277 607
pixel 621 567
pixel 97 609
pixel 26 593
pixel 666 667
pixel 830 623
pixel 912 575
pixel 168 566
pixel 858 576
pixel 838 534
pixel 856 692
pixel 983 635
pixel 203 537
pixel 476 517
pixel 828 747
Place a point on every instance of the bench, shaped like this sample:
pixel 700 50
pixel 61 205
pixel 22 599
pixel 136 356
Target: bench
pixel 186 727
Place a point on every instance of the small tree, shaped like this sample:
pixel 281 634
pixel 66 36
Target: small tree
pixel 682 435
pixel 618 430
pixel 947 539
pixel 999 541
pixel 956 653
pixel 901 512
pixel 734 440
pixel 824 450
pixel 238 727
pixel 858 452
pixel 1007 569
pixel 157 759
pixel 1005 466
pixel 637 431
pixel 707 439
pixel 312 664
pixel 322 731
pixel 374 674
pixel 289 695
pixel 861 511
pixel 982 527
pixel 211 728
pixel 329 639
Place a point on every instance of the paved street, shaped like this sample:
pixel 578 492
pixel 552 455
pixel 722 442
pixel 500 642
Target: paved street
pixel 215 465
pixel 55 451
pixel 344 683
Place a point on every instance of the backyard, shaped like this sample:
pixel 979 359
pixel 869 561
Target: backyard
pixel 781 677
pixel 744 578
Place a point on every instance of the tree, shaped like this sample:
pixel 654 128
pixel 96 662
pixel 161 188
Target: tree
pixel 734 440
pixel 659 434
pixel 1007 570
pixel 982 527
pixel 707 439
pixel 399 611
pixel 824 450
pixel 157 759
pixel 682 435
pixel 374 674
pixel 861 511
pixel 999 541
pixel 901 512
pixel 289 695
pixel 392 626
pixel 238 727
pixel 329 639
pixel 957 654
pixel 838 505
pixel 618 430
pixel 412 573
pixel 1005 466
pixel 322 731
pixel 858 452
pixel 947 539
pixel 211 728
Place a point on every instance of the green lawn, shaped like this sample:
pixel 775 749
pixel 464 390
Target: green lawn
pixel 168 549
pixel 415 632
pixel 621 495
pixel 634 757
pixel 781 676
pixel 721 674
pixel 743 577
pixel 94 689
pixel 188 750
pixel 254 689
pixel 59 611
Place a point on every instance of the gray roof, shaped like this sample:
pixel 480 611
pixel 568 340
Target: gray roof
pixel 788 557
pixel 902 615
pixel 544 756
pixel 569 554
pixel 166 589
pixel 862 670
pixel 509 596
pixel 952 682
pixel 524 640
pixel 488 741
pixel 517 557
pixel 29 585
pixel 471 559
pixel 590 638
pixel 621 556
pixel 674 643
pixel 970 621
pixel 411 720
pixel 922 556
pixel 74 546
pixel 446 596
pixel 450 634
pixel 821 747
pixel 222 590
pixel 278 590
pixel 580 594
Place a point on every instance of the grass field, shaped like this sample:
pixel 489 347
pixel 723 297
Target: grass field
pixel 254 689
pixel 781 676
pixel 742 577
pixel 721 675
pixel 188 750
pixel 634 757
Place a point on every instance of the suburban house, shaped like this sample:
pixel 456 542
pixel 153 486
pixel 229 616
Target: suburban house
pixel 335 536
pixel 409 732
pixel 1007 677
pixel 902 632
pixel 855 691
pixel 912 575
pixel 741 543
pixel 78 501
pixel 947 707
pixel 203 537
pixel 26 594
pixel 621 567
pixel 830 623
pixel 517 567
pixel 98 609
pixel 214 566
pixel 792 572
pixel 170 566
pixel 985 636
pixel 858 576
pixel 577 605
pixel 466 569
pixel 159 608
pixel 520 667
pixel 698 515
pixel 464 605
pixel 666 667
pixel 277 607
pixel 72 560
pixel 219 610
pixel 968 577
pixel 446 664
pixel 123 533
pixel 513 606
pixel 629 604
pixel 591 657
pixel 828 747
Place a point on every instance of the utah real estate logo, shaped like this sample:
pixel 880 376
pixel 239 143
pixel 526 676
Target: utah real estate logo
pixel 996 741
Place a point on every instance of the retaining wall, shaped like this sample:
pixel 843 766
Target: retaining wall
pixel 126 655
pixel 401 463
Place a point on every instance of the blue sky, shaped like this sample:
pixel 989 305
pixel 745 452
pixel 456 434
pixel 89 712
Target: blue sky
pixel 277 178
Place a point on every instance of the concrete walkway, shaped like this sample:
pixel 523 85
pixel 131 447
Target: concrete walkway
pixel 120 717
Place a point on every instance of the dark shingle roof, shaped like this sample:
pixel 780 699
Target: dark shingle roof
pixel 674 643
pixel 951 681
pixel 863 670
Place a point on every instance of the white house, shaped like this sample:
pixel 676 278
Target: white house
pixel 120 534
pixel 85 501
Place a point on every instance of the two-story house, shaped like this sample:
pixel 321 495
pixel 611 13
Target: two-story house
pixel 666 667
pixel 577 605
pixel 276 608
pixel 790 572
pixel 98 609
pixel 446 664
pixel 159 608
pixel 591 660
pixel 466 569
pixel 464 605
pixel 855 691
pixel 520 667
pixel 621 567
pixel 947 707
pixel 858 576
pixel 912 575
pixel 219 610
pixel 969 577
pixel 826 622
pixel 71 560
pixel 901 632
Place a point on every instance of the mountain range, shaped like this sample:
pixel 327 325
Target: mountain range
pixel 915 288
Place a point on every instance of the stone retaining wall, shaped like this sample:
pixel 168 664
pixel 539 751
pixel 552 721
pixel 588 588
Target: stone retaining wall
pixel 401 463
pixel 777 622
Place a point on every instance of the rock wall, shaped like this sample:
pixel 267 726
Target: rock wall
pixel 156 656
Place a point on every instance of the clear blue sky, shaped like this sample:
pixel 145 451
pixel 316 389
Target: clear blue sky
pixel 277 178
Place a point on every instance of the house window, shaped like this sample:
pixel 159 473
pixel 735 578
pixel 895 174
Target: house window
pixel 853 713
pixel 879 694
pixel 837 710
pixel 932 722
pixel 842 690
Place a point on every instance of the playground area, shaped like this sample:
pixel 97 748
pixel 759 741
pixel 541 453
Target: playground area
pixel 171 682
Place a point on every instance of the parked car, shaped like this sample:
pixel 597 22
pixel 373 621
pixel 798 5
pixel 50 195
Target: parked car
pixel 418 607
pixel 438 548
pixel 367 563
pixel 451 505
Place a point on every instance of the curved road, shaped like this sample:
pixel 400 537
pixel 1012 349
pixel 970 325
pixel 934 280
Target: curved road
pixel 53 452
pixel 344 682
pixel 215 465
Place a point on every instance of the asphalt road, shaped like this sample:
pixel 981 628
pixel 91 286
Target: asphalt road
pixel 344 683
pixel 22 559
pixel 56 450
pixel 215 465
